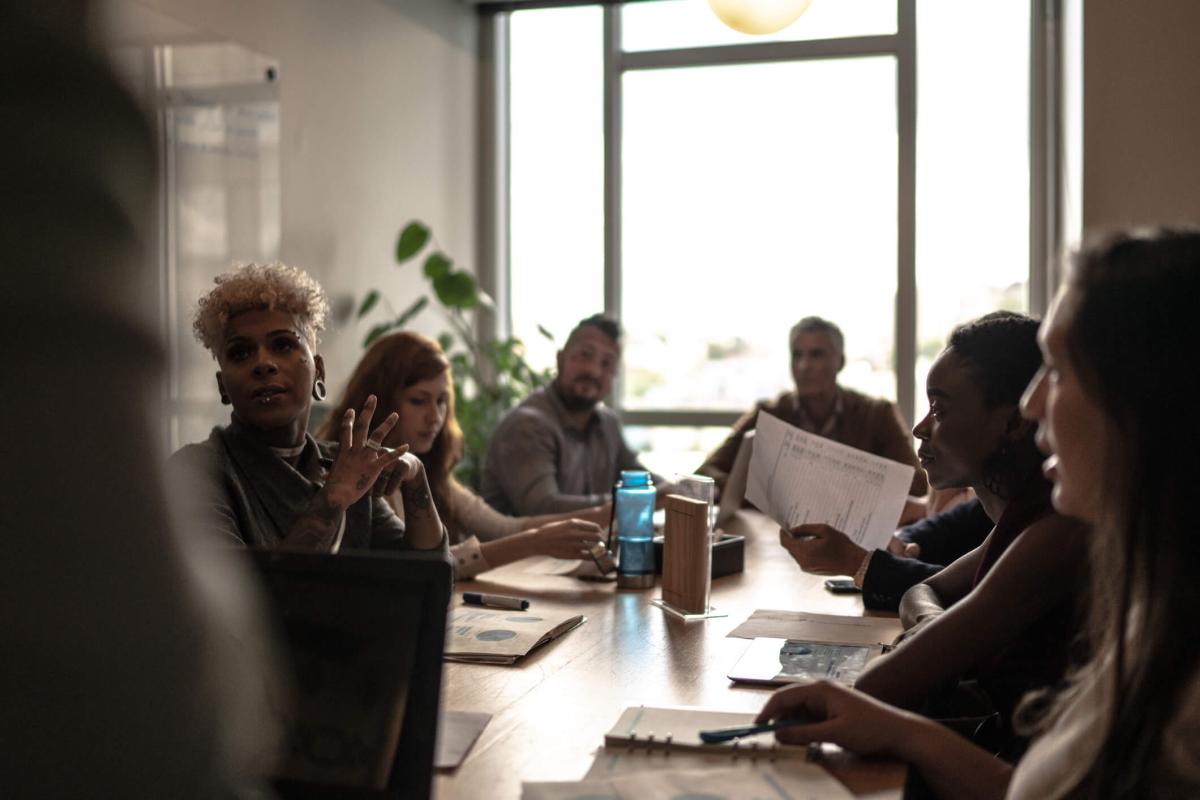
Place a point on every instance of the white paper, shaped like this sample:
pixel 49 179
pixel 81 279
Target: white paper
pixel 798 478
pixel 805 626
pixel 457 731
pixel 742 782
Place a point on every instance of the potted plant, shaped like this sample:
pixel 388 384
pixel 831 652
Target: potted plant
pixel 490 376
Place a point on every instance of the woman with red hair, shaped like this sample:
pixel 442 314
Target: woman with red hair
pixel 410 375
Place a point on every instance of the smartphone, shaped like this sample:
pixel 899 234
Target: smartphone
pixel 841 586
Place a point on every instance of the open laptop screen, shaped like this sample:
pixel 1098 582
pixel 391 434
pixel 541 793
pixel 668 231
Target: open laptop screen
pixel 362 638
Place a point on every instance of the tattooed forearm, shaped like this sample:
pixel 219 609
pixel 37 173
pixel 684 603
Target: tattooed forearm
pixel 416 497
pixel 317 527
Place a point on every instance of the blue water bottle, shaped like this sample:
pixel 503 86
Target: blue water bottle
pixel 635 530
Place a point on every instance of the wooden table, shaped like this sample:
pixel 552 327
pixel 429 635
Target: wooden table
pixel 550 712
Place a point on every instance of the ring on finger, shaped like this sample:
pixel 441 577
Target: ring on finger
pixel 374 445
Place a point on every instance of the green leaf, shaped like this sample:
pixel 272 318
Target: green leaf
pixel 368 303
pixel 437 266
pixel 412 239
pixel 456 290
pixel 545 333
pixel 410 312
pixel 446 341
pixel 376 332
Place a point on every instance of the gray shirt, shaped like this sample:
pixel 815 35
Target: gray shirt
pixel 237 488
pixel 540 462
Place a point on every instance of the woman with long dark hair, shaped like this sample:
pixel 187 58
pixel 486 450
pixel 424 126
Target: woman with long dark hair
pixel 410 375
pixel 1115 403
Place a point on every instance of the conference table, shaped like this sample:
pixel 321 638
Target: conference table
pixel 550 711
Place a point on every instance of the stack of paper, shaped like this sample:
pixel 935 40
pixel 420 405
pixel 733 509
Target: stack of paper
pixel 743 782
pixel 799 647
pixel 488 636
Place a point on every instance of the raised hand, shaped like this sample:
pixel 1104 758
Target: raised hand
pixel 361 457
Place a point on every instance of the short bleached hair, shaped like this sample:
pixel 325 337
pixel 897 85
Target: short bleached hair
pixel 265 287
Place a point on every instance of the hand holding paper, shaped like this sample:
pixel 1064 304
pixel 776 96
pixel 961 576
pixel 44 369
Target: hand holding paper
pixel 799 478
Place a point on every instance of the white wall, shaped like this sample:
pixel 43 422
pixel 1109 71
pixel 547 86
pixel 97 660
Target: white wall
pixel 378 102
pixel 1141 112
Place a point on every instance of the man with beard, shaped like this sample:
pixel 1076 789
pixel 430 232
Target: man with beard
pixel 562 449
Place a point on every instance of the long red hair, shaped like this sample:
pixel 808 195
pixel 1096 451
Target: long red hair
pixel 391 365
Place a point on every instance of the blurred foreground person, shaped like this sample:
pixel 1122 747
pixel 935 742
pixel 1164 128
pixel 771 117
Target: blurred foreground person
pixel 129 665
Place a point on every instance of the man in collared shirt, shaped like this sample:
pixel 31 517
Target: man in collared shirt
pixel 562 449
pixel 818 405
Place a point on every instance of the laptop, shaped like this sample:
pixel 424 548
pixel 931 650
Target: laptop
pixel 734 493
pixel 362 637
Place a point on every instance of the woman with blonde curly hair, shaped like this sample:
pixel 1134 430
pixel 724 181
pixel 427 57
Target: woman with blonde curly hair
pixel 410 375
pixel 262 480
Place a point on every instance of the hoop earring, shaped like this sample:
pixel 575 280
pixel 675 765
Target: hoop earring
pixel 318 391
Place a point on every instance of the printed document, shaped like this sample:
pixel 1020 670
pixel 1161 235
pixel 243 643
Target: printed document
pixel 798 478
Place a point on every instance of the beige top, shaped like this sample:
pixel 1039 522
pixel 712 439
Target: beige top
pixel 473 521
pixel 472 516
pixel 1059 758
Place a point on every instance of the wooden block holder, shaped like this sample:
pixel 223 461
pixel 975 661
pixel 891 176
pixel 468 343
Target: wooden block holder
pixel 687 555
pixel 728 554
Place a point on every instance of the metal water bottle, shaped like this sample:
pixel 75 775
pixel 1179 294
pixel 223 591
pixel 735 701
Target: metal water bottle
pixel 635 529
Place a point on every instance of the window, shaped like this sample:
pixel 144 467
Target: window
pixel 869 164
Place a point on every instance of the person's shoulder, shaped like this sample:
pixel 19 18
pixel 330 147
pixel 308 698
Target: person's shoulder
pixel 854 399
pixel 1055 526
pixel 533 412
pixel 775 405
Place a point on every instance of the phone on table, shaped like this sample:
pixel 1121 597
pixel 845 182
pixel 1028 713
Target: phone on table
pixel 841 586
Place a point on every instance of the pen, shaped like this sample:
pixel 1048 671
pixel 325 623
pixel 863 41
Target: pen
pixel 495 601
pixel 718 735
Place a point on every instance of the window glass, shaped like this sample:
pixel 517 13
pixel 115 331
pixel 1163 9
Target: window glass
pixel 673 24
pixel 753 196
pixel 556 193
pixel 671 450
pixel 972 168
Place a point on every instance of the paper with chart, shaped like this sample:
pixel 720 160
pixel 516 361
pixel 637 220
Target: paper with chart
pixel 489 636
pixel 798 477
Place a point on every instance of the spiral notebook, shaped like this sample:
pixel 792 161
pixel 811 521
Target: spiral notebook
pixel 678 728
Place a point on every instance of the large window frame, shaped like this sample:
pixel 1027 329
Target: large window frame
pixel 1046 223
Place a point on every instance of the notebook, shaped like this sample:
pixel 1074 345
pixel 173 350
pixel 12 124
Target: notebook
pixel 361 636
pixel 677 728
pixel 492 636
pixel 746 781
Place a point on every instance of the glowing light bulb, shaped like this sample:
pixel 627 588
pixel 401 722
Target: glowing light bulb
pixel 758 16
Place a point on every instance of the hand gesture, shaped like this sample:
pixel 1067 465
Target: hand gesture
pixel 407 468
pixel 821 549
pixel 843 716
pixel 898 547
pixel 568 538
pixel 361 457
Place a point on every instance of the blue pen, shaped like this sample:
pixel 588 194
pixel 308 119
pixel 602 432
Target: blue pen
pixel 718 735
pixel 495 601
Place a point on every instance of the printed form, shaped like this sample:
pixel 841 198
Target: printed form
pixel 798 478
